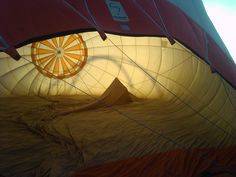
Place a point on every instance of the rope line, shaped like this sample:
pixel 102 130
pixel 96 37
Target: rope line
pixel 172 93
pixel 160 134
pixel 157 133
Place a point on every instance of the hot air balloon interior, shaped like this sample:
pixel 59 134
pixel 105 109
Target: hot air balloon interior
pixel 115 88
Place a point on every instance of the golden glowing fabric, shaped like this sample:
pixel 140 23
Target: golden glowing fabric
pixel 85 64
pixel 191 107
pixel 173 66
pixel 60 57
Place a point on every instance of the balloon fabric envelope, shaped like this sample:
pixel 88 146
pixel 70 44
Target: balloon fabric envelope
pixel 99 84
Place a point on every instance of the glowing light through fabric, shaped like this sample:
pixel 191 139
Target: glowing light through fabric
pixel 83 63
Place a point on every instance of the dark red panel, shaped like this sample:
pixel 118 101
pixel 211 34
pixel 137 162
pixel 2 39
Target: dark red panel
pixel 25 21
pixel 179 163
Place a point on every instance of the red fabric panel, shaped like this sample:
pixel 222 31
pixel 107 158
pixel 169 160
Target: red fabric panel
pixel 191 35
pixel 27 20
pixel 220 63
pixel 179 163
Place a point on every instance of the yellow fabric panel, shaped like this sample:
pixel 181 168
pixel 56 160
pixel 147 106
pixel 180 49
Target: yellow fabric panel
pixel 70 39
pixel 73 48
pixel 55 42
pixel 61 40
pixel 48 44
pixel 148 66
pixel 44 59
